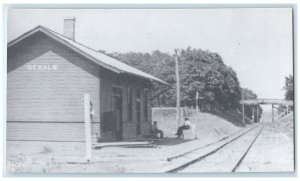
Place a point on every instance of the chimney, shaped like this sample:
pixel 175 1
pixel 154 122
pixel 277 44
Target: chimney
pixel 69 27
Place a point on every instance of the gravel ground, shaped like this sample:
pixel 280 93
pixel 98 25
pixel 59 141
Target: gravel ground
pixel 273 151
pixel 226 158
pixel 69 157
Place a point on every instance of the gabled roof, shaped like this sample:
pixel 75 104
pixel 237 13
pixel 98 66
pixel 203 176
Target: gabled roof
pixel 97 57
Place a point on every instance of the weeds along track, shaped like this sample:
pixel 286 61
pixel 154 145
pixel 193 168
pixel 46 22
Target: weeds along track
pixel 224 155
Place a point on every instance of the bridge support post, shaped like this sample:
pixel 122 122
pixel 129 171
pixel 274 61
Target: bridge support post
pixel 243 113
pixel 253 119
pixel 257 112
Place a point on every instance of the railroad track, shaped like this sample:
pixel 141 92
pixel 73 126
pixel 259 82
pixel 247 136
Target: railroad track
pixel 223 156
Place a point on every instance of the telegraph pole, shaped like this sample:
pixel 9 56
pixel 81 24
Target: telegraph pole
pixel 177 89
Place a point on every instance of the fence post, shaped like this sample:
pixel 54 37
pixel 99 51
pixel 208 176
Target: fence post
pixel 88 126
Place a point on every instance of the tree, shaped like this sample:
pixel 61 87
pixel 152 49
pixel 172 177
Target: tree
pixel 289 91
pixel 200 71
pixel 289 87
pixel 205 72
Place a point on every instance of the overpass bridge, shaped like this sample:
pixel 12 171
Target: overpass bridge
pixel 273 102
pixel 267 101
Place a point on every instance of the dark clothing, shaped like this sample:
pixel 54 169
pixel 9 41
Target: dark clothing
pixel 156 131
pixel 180 130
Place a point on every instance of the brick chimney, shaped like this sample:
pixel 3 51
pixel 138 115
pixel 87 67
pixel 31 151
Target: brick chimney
pixel 69 27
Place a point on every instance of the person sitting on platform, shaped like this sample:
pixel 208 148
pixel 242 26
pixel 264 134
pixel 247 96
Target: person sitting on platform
pixel 157 131
pixel 186 125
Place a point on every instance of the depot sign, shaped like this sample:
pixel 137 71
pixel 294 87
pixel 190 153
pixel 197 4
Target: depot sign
pixel 46 67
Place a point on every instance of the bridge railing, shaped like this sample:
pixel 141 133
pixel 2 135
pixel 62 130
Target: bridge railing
pixel 283 114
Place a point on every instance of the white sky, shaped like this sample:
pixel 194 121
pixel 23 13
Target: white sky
pixel 257 43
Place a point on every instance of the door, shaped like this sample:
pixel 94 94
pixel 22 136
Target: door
pixel 117 111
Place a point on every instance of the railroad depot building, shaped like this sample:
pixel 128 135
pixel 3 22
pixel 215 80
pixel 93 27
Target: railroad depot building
pixel 47 76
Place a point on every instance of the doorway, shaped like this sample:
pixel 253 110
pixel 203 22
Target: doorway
pixel 118 112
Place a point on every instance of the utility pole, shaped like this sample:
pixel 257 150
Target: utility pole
pixel 177 89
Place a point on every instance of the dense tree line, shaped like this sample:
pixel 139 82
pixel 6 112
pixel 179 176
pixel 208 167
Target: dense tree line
pixel 200 71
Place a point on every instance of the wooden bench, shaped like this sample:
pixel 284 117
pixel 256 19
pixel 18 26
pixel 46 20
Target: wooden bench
pixel 190 133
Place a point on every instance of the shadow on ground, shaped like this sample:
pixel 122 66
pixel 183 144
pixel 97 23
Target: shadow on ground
pixel 169 141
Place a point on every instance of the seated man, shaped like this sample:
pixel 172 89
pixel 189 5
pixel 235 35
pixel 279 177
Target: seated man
pixel 156 131
pixel 186 125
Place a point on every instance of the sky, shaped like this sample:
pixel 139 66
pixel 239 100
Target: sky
pixel 257 43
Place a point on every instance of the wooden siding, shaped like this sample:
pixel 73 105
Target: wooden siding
pixel 48 105
pixel 47 131
pixel 49 95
